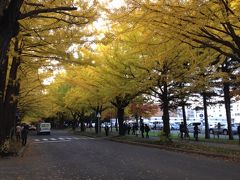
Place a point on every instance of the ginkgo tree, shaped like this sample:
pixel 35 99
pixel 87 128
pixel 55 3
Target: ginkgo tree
pixel 156 66
pixel 200 24
pixel 33 102
pixel 43 31
pixel 168 70
pixel 120 80
pixel 204 24
pixel 86 92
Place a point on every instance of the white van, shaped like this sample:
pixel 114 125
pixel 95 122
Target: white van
pixel 44 128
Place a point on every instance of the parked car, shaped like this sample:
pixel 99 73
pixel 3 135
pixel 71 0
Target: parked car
pixel 222 130
pixel 151 125
pixel 235 128
pixel 32 128
pixel 157 125
pixel 104 124
pixel 175 125
pixel 210 126
pixel 91 125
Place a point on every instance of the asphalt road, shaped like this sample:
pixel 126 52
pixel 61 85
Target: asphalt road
pixel 66 156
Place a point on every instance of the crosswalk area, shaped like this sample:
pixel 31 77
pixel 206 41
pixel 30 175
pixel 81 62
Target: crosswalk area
pixel 58 139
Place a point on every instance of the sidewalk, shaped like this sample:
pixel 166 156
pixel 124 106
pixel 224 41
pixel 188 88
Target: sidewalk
pixel 218 145
pixel 204 142
pixel 215 150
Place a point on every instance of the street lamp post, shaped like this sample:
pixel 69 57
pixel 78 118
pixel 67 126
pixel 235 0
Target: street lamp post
pixel 98 118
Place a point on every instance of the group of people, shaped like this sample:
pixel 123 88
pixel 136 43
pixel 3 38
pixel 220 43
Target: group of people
pixel 21 133
pixel 144 128
pixel 127 127
pixel 135 130
pixel 184 131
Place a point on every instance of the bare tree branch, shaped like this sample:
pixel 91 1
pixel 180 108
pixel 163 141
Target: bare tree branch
pixel 48 10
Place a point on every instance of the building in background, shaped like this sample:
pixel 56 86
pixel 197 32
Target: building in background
pixel 215 113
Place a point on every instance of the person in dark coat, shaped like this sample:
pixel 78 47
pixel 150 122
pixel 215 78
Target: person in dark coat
pixel 106 129
pixel 142 129
pixel 124 128
pixel 195 132
pixel 24 134
pixel 238 130
pixel 136 130
pixel 129 128
pixel 147 129
pixel 182 129
pixel 133 129
pixel 218 129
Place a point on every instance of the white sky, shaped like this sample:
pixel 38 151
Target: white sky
pixel 112 4
pixel 100 24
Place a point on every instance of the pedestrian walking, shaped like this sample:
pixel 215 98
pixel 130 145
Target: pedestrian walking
pixel 137 130
pixel 147 129
pixel 18 132
pixel 133 129
pixel 182 129
pixel 128 128
pixel 125 128
pixel 238 130
pixel 106 129
pixel 142 129
pixel 195 132
pixel 218 129
pixel 24 134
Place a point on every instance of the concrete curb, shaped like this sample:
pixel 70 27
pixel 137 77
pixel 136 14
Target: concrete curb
pixel 163 147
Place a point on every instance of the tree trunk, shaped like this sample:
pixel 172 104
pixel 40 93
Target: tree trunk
pixel 9 26
pixel 9 108
pixel 9 29
pixel 61 119
pixel 227 101
pixel 82 126
pixel 3 123
pixel 207 135
pixel 184 116
pixel 74 122
pixel 98 110
pixel 120 114
pixel 165 106
pixel 96 125
pixel 116 123
pixel 136 117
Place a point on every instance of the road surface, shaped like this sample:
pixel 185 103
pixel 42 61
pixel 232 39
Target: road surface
pixel 63 155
